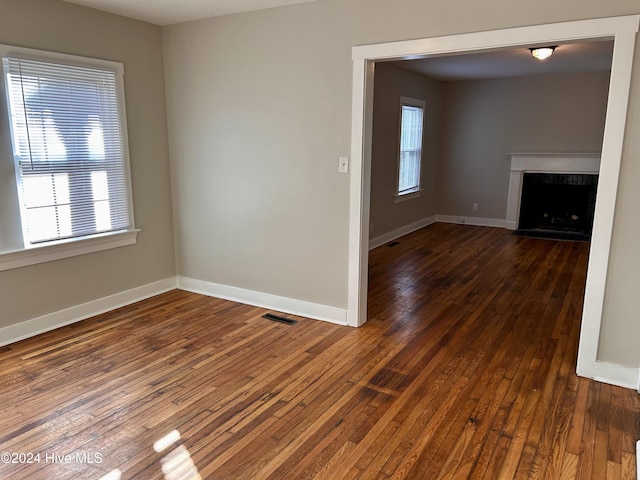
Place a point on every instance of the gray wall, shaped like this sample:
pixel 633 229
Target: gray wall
pixel 28 292
pixel 471 128
pixel 391 83
pixel 259 112
pixel 485 120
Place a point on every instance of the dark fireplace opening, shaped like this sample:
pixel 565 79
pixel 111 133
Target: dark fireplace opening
pixel 559 206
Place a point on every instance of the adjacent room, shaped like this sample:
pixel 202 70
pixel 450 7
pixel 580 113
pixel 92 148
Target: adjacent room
pixel 481 111
pixel 211 267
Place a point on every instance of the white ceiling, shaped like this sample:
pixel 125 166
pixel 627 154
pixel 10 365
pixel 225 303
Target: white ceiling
pixel 511 62
pixel 578 57
pixel 167 12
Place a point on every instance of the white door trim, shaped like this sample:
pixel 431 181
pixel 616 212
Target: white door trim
pixel 621 29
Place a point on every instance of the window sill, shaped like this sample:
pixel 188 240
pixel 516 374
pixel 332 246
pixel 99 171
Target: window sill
pixel 49 253
pixel 406 196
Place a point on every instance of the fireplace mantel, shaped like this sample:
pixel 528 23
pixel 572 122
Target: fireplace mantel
pixel 522 163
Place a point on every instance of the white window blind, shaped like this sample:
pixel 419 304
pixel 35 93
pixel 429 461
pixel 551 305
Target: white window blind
pixel 410 149
pixel 67 138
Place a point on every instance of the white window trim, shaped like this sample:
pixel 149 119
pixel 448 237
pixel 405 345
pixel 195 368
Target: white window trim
pixel 408 195
pixel 82 245
pixel 399 198
pixel 66 249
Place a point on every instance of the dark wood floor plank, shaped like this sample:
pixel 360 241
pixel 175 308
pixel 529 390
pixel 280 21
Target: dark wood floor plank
pixel 464 370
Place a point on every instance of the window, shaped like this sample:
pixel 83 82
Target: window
pixel 67 146
pixel 67 125
pixel 410 155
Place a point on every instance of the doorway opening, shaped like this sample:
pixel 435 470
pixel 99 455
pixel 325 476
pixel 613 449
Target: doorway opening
pixel 621 30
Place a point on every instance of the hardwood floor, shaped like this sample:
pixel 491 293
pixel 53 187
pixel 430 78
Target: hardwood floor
pixel 465 369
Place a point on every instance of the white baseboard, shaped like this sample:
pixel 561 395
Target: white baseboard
pixel 67 316
pixel 626 377
pixel 412 227
pixel 51 321
pixel 638 459
pixel 265 300
pixel 400 232
pixel 476 221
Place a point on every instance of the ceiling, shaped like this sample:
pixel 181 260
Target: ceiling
pixel 167 12
pixel 510 62
pixel 579 57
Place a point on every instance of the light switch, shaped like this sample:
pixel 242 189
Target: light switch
pixel 343 165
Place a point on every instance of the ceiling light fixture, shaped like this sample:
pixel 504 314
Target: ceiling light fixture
pixel 542 53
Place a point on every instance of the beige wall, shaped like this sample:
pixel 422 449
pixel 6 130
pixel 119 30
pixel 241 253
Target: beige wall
pixel 485 120
pixel 471 128
pixel 257 108
pixel 28 292
pixel 391 83
pixel 259 112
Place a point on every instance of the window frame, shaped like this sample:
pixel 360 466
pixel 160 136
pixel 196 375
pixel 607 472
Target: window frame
pixel 415 192
pixel 64 248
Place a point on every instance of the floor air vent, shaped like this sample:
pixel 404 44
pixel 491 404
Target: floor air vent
pixel 276 318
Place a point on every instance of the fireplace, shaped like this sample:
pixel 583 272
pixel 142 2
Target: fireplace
pixel 557 206
pixel 553 195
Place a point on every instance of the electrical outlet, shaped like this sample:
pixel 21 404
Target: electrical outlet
pixel 475 207
pixel 461 220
